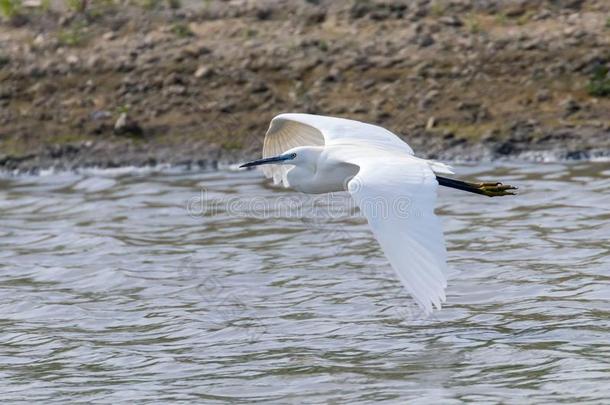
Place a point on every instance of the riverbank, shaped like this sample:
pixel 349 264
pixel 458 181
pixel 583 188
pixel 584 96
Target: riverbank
pixel 197 85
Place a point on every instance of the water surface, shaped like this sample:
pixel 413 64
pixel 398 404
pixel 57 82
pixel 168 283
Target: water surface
pixel 123 286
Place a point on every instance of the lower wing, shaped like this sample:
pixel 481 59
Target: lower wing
pixel 398 196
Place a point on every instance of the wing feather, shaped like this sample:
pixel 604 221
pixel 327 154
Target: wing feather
pixel 412 238
pixel 410 234
pixel 288 131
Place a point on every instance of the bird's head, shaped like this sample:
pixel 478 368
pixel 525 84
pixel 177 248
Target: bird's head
pixel 296 157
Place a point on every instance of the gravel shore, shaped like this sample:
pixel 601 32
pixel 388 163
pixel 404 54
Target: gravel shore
pixel 197 84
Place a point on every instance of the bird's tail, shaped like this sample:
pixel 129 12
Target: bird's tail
pixel 437 167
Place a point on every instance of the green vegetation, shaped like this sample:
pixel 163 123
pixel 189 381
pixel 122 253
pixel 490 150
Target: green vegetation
pixel 250 33
pixel 75 35
pixel 524 19
pixel 174 4
pixel 322 45
pixel 502 19
pixel 45 5
pixel 76 5
pixel 232 145
pixel 599 83
pixel 473 25
pixel 120 109
pixel 150 4
pixel 468 131
pixel 182 30
pixel 10 8
pixel 437 9
pixel 13 8
pixel 157 4
pixel 4 60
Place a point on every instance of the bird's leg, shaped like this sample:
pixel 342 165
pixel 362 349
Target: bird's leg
pixel 489 189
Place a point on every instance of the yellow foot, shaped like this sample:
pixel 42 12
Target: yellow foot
pixel 495 189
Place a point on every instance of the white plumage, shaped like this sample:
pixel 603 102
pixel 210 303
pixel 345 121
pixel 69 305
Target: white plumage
pixel 395 190
pixel 409 232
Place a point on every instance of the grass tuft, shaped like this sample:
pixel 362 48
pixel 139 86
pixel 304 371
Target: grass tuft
pixel 73 36
pixel 10 8
pixel 182 30
pixel 599 83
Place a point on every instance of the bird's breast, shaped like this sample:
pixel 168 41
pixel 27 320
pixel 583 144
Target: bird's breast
pixel 327 178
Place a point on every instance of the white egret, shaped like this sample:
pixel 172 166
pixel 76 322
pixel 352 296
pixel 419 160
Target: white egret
pixel 395 190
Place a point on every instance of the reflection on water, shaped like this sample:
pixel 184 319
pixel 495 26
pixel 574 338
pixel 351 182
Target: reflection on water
pixel 110 289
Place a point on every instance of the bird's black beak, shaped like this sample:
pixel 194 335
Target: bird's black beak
pixel 267 161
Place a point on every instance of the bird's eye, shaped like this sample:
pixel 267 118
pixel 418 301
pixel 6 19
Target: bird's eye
pixel 293 155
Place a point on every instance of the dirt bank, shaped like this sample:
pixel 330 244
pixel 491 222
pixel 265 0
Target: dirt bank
pixel 197 84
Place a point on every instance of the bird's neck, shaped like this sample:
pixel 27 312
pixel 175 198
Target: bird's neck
pixel 301 178
pixel 325 176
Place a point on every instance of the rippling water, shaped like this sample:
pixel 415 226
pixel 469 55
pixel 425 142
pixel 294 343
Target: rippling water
pixel 166 286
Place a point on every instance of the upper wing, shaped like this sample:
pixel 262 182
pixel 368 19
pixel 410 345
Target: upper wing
pixel 398 197
pixel 288 131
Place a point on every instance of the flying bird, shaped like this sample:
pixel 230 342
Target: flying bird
pixel 394 189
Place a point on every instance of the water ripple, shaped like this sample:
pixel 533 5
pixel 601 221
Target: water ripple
pixel 121 286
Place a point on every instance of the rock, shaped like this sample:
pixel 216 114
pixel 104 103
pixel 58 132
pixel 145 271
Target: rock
pixel 39 40
pixel 359 10
pixel 468 106
pixel 227 107
pixel 31 3
pixel 109 36
pixel 451 21
pixel 368 83
pixel 72 60
pixel 258 87
pixel 573 4
pixel 542 15
pixel 543 95
pixel 573 18
pixel 428 99
pixel 505 148
pixel 95 62
pixel 532 123
pixel 529 45
pixel 491 135
pixel 515 11
pixel 577 155
pixel 172 79
pixel 124 125
pixel 264 14
pixel 334 75
pixel 359 109
pixel 424 40
pixel 589 64
pixel 194 51
pixel 100 115
pixel 121 122
pixel 419 11
pixel 175 89
pixel 380 15
pixel 203 72
pixel 316 17
pixel 570 106
pixel 430 123
pixel 124 66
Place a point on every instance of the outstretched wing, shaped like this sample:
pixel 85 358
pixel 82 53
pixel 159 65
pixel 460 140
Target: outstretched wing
pixel 398 196
pixel 288 131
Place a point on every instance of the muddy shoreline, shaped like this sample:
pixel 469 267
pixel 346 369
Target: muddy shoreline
pixel 77 156
pixel 196 85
